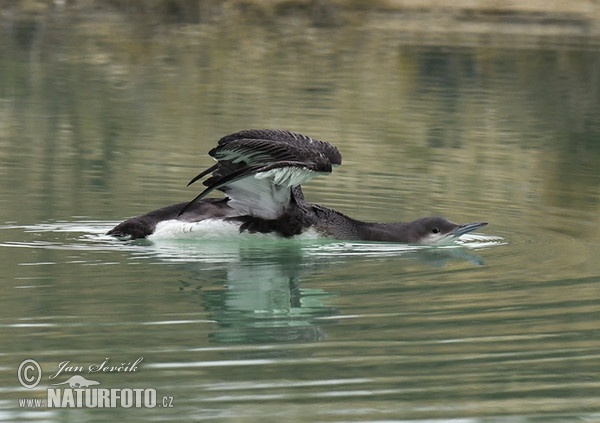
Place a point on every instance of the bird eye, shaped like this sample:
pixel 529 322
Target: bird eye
pixel 435 230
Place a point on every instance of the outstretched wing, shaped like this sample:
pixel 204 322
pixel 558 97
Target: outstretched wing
pixel 258 168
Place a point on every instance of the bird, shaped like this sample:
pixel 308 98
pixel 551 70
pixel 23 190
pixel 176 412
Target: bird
pixel 261 172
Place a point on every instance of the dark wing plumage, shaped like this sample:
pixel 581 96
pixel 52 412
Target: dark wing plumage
pixel 277 144
pixel 257 168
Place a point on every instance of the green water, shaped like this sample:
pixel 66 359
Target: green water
pixel 102 119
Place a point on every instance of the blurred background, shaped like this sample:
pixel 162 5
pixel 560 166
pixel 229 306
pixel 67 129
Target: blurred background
pixel 475 110
pixel 105 104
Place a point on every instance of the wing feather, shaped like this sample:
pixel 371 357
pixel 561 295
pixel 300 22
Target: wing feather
pixel 259 169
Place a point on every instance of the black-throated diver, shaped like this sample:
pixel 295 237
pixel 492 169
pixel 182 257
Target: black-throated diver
pixel 260 171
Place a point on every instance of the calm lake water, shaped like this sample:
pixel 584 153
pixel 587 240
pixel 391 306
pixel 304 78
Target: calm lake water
pixel 101 120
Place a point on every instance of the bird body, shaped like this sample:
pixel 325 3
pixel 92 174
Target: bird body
pixel 261 173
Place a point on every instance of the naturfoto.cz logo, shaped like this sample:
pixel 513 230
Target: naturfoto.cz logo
pixel 80 392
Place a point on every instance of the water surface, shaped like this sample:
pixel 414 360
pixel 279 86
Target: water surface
pixel 101 121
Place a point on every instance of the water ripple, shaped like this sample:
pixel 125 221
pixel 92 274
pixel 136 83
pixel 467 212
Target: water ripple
pixel 90 235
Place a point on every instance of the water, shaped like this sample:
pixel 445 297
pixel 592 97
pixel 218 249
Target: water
pixel 101 121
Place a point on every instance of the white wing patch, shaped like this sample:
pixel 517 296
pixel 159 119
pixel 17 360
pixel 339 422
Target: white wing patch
pixel 258 197
pixel 266 194
pixel 287 176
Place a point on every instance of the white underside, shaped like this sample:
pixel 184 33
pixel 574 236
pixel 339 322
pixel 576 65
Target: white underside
pixel 213 229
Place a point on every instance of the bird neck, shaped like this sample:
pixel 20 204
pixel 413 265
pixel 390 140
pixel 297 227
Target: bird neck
pixel 383 232
pixel 337 225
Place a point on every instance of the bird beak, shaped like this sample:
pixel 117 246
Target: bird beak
pixel 468 227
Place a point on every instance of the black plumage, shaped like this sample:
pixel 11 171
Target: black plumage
pixel 261 172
